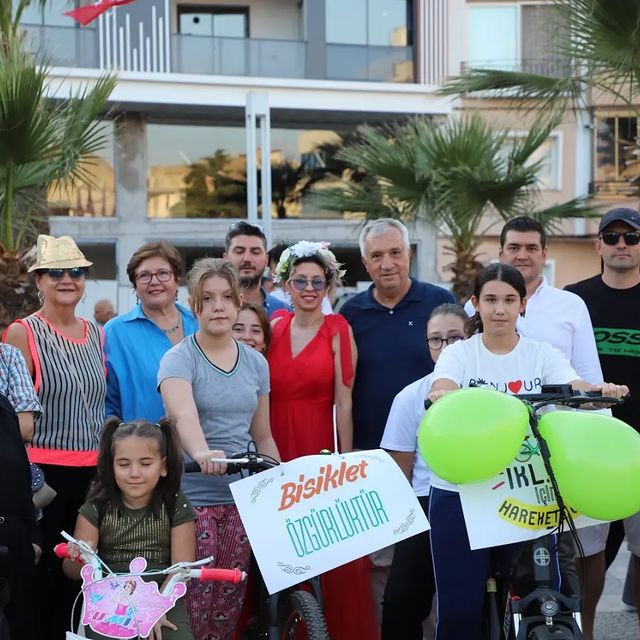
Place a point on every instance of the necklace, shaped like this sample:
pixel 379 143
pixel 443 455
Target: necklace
pixel 173 329
pixel 167 331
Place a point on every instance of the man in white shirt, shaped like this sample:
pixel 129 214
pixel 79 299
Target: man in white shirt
pixel 552 315
pixel 555 316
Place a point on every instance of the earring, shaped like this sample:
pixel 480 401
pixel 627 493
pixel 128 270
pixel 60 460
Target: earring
pixel 84 297
pixel 40 297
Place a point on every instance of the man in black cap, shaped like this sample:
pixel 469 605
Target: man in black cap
pixel 613 300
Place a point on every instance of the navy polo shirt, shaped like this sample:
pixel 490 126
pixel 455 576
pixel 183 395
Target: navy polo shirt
pixel 392 353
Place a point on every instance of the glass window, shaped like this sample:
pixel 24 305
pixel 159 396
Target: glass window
pixel 52 15
pixel 616 140
pixel 389 23
pixel 385 23
pixel 493 36
pixel 346 22
pixel 90 200
pixel 200 171
pixel 213 21
pixel 549 153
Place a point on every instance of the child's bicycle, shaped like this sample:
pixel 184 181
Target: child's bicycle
pixel 126 606
pixel 292 614
pixel 543 613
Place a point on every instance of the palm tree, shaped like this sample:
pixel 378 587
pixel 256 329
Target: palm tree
pixel 461 176
pixel 211 191
pixel 599 42
pixel 42 142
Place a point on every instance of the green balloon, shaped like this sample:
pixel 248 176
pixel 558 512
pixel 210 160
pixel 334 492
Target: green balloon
pixel 596 461
pixel 470 435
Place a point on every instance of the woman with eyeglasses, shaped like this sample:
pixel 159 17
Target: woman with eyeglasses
pixel 410 587
pixel 312 361
pixel 136 341
pixel 64 354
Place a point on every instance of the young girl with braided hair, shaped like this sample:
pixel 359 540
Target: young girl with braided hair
pixel 135 509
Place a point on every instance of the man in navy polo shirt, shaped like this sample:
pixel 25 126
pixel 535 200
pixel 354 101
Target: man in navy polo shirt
pixel 388 322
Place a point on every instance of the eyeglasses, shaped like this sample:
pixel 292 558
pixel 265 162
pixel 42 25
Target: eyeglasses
pixel 75 273
pixel 300 284
pixel 611 238
pixel 162 275
pixel 437 343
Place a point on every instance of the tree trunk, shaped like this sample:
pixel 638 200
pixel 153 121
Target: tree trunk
pixel 465 267
pixel 18 293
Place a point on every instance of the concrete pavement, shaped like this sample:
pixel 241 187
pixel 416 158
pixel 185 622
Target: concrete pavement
pixel 612 623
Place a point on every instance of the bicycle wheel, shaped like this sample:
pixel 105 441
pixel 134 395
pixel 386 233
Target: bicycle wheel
pixel 554 632
pixel 303 618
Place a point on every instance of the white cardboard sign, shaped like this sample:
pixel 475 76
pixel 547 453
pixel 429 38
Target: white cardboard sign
pixel 516 505
pixel 316 513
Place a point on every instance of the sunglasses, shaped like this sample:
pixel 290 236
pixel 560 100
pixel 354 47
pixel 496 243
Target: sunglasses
pixel 300 284
pixel 611 238
pixel 75 273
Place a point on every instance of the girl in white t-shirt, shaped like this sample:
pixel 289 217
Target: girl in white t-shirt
pixel 496 356
pixel 410 587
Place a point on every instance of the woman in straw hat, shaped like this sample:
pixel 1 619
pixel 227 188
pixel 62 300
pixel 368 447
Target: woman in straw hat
pixel 64 354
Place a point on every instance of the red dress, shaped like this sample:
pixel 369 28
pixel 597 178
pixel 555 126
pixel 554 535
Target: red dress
pixel 302 394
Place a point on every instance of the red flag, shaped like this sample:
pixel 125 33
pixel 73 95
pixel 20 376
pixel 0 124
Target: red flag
pixel 84 15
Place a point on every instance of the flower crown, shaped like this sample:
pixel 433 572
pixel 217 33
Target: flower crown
pixel 306 249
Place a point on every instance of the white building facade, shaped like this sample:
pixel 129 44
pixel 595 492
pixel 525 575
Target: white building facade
pixel 179 162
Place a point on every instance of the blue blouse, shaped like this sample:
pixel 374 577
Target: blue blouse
pixel 134 346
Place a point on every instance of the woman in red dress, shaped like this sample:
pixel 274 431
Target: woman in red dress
pixel 312 362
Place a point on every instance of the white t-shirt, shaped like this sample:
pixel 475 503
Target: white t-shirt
pixel 523 370
pixel 401 430
pixel 562 319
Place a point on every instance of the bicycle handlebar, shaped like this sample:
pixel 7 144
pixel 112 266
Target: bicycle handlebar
pixel 559 394
pixel 219 575
pixel 247 460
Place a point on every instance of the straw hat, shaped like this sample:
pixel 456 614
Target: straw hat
pixel 58 253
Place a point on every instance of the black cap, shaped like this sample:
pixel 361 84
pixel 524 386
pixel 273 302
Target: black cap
pixel 620 214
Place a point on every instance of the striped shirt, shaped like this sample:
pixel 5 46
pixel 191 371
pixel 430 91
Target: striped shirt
pixel 15 381
pixel 70 379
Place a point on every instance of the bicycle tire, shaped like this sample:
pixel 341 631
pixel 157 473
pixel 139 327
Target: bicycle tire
pixel 303 619
pixel 542 632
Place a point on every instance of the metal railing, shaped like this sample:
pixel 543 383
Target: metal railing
pixel 63 46
pixel 370 63
pixel 238 56
pixel 552 67
pixel 257 57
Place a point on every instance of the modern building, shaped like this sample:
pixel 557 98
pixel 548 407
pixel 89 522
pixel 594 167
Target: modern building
pixel 180 151
pixel 593 152
pixel 183 151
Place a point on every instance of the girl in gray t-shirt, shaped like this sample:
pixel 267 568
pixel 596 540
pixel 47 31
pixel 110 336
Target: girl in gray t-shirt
pixel 217 391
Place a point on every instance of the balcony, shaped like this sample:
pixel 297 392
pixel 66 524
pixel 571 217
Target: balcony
pixel 369 63
pixel 551 67
pixel 245 57
pixel 238 56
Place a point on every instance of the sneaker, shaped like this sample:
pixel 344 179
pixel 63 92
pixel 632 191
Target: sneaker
pixel 628 607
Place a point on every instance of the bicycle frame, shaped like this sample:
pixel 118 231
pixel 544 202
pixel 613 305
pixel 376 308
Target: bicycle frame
pixel 124 605
pixel 557 613
pixel 270 607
